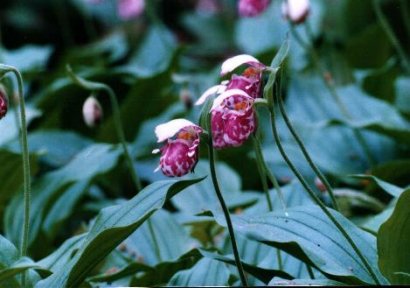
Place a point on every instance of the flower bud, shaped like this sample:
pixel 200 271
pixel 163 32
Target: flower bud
pixel 3 103
pixel 319 185
pixel 252 8
pixel 295 11
pixel 180 153
pixel 92 112
pixel 186 98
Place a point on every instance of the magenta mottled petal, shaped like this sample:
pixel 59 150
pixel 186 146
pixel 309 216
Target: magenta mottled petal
pixel 252 8
pixel 178 158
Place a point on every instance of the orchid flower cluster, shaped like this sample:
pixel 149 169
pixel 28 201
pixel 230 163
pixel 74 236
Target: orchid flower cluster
pixel 233 118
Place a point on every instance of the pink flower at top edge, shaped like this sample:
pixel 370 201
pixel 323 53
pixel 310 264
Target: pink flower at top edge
pixel 252 8
pixel 128 9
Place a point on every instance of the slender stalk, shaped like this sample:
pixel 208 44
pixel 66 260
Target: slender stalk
pixel 404 9
pixel 4 69
pixel 95 86
pixel 267 173
pixel 120 133
pixel 262 173
pixel 305 153
pixel 316 199
pixel 26 164
pixel 390 34
pixel 332 90
pixel 260 163
pixel 63 23
pixel 225 209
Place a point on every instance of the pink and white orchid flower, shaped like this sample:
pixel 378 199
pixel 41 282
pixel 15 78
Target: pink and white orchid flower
pixel 296 11
pixel 232 63
pixel 232 118
pixel 179 155
pixel 252 8
pixel 249 81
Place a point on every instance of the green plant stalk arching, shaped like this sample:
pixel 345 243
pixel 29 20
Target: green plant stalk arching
pixel 332 90
pixel 94 86
pixel 4 69
pixel 316 199
pixel 225 210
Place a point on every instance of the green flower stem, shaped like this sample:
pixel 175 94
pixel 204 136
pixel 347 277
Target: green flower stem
pixel 120 133
pixel 390 34
pixel 267 173
pixel 224 208
pixel 25 158
pixel 332 89
pixel 95 86
pixel 261 168
pixel 262 173
pixel 404 9
pixel 305 153
pixel 316 199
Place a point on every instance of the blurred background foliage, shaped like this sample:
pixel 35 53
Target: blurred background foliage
pixel 159 63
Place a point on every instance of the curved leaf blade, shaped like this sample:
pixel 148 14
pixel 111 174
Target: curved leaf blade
pixel 393 237
pixel 111 227
pixel 309 235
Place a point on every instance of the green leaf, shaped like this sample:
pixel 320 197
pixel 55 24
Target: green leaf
pixel 202 197
pixel 309 235
pixel 18 267
pixel 403 94
pixel 47 190
pixel 56 148
pixel 162 273
pixel 8 253
pixel 393 190
pixel 113 225
pixel 155 54
pixel 9 129
pixel 263 33
pixel 206 272
pixel 263 274
pixel 393 240
pixel 159 229
pixel 60 257
pixel 29 58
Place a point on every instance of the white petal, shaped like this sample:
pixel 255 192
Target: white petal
pixel 156 151
pixel 231 92
pixel 218 89
pixel 297 9
pixel 232 63
pixel 169 129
